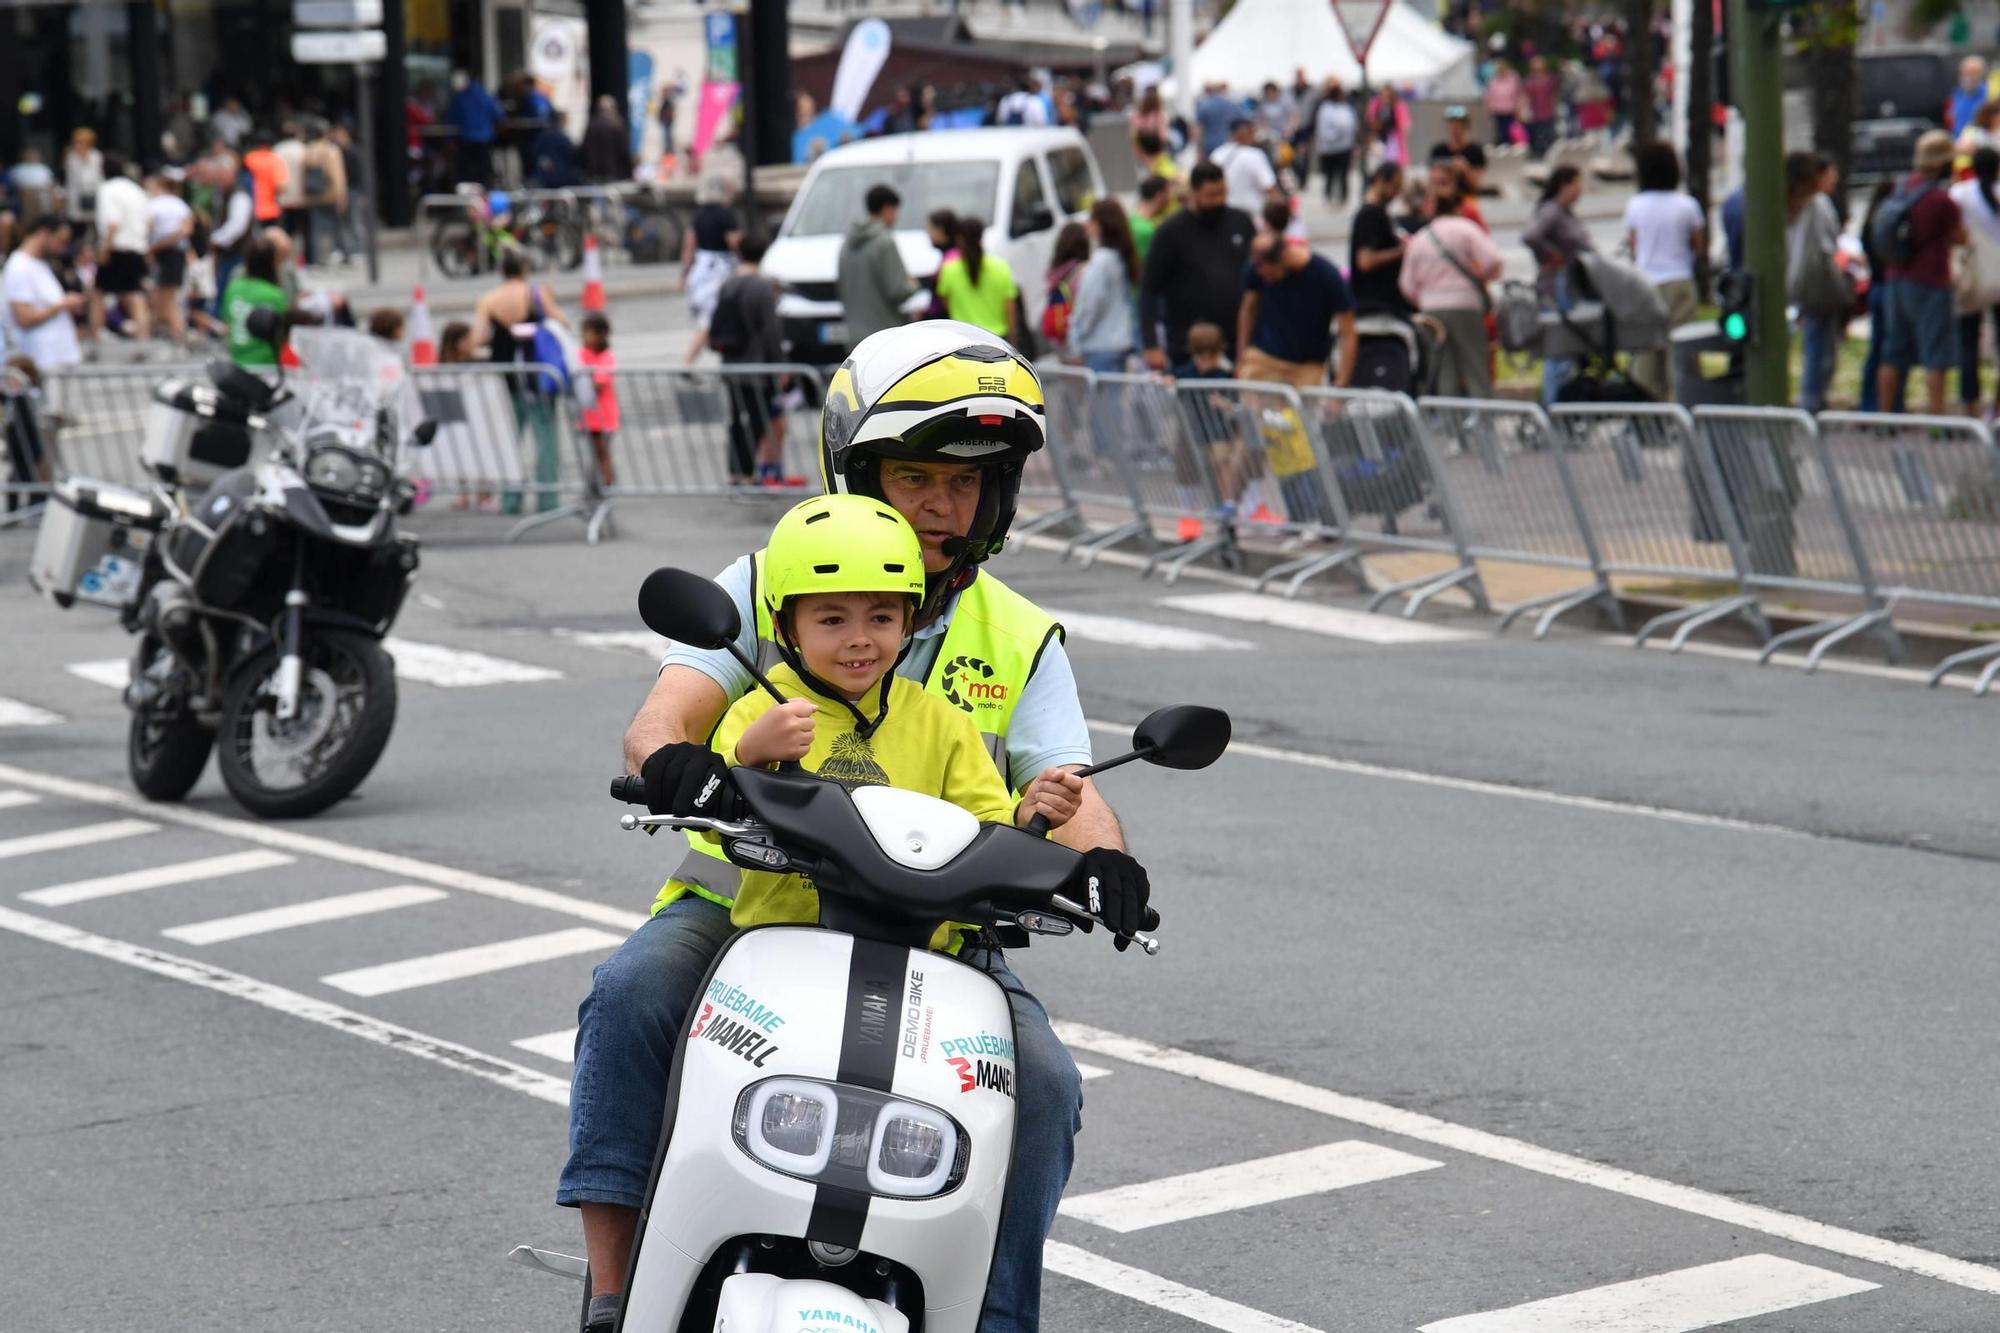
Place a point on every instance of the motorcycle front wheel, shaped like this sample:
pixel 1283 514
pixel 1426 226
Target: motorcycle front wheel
pixel 455 248
pixel 288 769
pixel 166 752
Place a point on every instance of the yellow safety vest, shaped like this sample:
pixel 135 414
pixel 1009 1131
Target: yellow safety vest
pixel 991 648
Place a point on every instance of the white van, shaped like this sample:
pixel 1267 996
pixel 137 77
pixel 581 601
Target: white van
pixel 1026 183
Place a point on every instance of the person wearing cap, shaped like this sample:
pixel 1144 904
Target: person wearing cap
pixel 1457 134
pixel 1246 168
pixel 1923 325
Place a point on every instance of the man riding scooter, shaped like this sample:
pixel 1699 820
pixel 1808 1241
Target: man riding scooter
pixel 936 419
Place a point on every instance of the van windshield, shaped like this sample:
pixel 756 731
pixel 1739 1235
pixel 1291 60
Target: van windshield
pixel 835 198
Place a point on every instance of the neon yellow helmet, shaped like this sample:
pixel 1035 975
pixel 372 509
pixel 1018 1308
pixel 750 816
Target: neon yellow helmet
pixel 937 391
pixel 841 543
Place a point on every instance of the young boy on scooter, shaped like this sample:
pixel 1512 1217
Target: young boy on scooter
pixel 843 577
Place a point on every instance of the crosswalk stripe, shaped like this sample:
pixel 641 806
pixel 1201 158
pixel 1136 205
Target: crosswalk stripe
pixel 14 713
pixel 1316 618
pixel 81 836
pixel 456 668
pixel 1163 1293
pixel 112 672
pixel 424 663
pixel 337 908
pixel 154 877
pixel 559 1045
pixel 1122 632
pixel 459 964
pixel 1677 1302
pixel 641 642
pixel 1224 1189
pixel 1090 1072
pixel 14 800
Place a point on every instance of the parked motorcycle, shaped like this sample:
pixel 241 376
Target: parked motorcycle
pixel 260 574
pixel 840 1134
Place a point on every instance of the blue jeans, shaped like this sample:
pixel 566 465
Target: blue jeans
pixel 1106 363
pixel 632 1020
pixel 1968 352
pixel 1823 336
pixel 1556 370
pixel 1878 338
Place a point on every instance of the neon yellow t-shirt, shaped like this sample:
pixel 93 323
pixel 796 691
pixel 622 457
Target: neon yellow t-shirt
pixel 986 304
pixel 925 745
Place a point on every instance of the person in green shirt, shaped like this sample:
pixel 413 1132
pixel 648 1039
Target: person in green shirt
pixel 1156 200
pixel 978 288
pixel 259 285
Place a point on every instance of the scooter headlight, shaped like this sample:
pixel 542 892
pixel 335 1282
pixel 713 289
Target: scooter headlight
pixel 915 1149
pixel 791 1125
pixel 852 1137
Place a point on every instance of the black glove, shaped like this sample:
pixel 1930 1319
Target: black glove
pixel 1115 889
pixel 686 779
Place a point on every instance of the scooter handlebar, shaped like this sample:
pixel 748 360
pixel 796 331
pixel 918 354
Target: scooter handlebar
pixel 1150 943
pixel 629 788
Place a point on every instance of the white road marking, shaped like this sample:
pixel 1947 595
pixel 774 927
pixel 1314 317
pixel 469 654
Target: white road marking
pixel 424 663
pixel 1306 759
pixel 640 642
pixel 559 1045
pixel 1162 1293
pixel 1543 1161
pixel 14 713
pixel 458 964
pixel 1090 1072
pixel 82 836
pixel 307 844
pixel 14 800
pixel 154 877
pixel 112 672
pixel 457 668
pixel 1677 1302
pixel 336 908
pixel 435 1049
pixel 1224 1189
pixel 1146 634
pixel 1317 618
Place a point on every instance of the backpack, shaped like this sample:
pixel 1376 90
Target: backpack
pixel 314 181
pixel 1894 228
pixel 1055 315
pixel 728 330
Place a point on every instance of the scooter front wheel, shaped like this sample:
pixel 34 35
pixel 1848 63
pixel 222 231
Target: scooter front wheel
pixel 293 767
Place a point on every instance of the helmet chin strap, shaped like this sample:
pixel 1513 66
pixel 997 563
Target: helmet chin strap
pixel 863 725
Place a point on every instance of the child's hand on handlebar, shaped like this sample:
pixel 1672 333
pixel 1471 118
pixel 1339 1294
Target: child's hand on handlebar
pixel 1056 795
pixel 784 734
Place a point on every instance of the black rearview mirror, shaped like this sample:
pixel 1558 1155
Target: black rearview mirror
pixel 689 609
pixel 1183 736
pixel 426 432
pixel 265 325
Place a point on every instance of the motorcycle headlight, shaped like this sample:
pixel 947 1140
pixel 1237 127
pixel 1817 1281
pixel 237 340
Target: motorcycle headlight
pixel 333 470
pixel 374 477
pixel 852 1137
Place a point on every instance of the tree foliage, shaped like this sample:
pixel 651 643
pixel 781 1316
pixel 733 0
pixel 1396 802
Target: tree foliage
pixel 1828 36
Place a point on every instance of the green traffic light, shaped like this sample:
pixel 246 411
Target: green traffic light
pixel 1735 327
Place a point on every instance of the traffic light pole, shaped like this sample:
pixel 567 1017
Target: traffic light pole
pixel 1757 70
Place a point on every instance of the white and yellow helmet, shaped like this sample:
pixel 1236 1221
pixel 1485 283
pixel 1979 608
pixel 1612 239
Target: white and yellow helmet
pixel 938 391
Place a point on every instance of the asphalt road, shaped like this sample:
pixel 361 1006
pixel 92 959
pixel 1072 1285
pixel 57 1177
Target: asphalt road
pixel 1564 965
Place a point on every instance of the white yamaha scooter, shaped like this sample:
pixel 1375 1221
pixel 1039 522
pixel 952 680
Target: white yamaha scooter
pixel 840 1120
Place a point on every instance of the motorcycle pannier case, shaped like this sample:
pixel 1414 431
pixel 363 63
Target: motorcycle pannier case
pixel 93 542
pixel 194 434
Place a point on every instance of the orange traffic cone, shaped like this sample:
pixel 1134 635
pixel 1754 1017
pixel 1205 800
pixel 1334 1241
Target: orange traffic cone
pixel 593 276
pixel 423 342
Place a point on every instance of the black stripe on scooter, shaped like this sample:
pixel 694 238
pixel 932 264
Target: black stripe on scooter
pixel 876 975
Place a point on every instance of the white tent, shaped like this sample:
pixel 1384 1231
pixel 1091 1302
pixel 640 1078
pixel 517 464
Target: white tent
pixel 1264 41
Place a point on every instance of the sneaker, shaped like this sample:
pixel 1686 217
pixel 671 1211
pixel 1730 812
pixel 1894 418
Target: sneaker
pixel 602 1313
pixel 1189 530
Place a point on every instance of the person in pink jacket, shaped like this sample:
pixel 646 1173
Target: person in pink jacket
pixel 601 420
pixel 1446 268
pixel 1389 125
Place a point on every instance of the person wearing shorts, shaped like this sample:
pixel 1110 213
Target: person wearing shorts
pixel 122 229
pixel 169 231
pixel 1923 323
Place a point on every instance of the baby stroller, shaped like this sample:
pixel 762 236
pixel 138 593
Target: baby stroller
pixel 1393 353
pixel 1614 309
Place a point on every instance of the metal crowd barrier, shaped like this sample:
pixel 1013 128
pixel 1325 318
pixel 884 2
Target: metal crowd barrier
pixel 1798 532
pixel 1067 395
pixel 1656 509
pixel 1187 459
pixel 1924 494
pixel 96 417
pixel 1101 475
pixel 703 431
pixel 508 441
pixel 1382 487
pixel 1506 468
